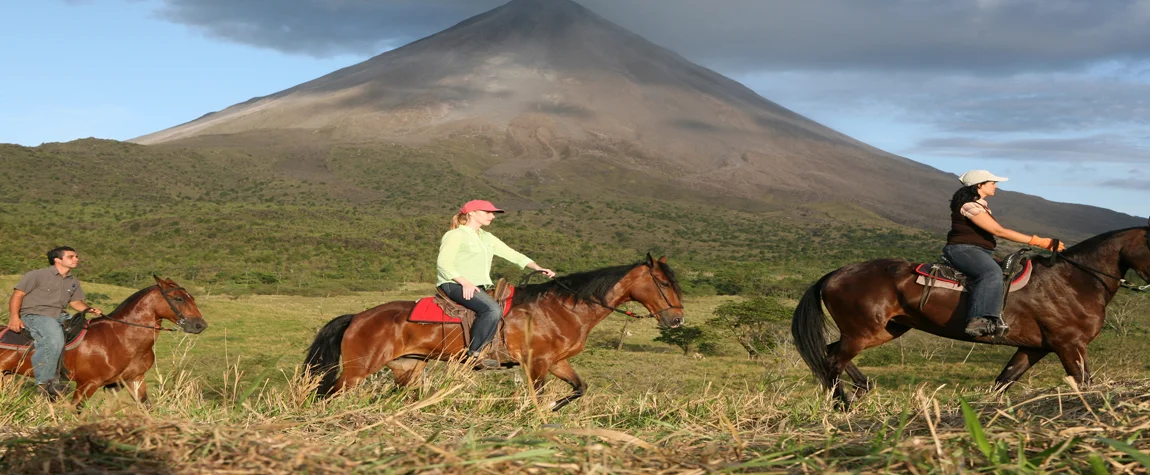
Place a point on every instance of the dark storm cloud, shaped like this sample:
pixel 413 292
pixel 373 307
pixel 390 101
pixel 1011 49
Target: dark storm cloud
pixel 748 35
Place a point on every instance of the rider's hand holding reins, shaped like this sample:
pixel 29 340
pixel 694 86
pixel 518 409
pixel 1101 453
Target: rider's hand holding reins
pixel 547 272
pixel 1046 243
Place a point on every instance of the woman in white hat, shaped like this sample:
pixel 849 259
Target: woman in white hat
pixel 970 246
pixel 463 271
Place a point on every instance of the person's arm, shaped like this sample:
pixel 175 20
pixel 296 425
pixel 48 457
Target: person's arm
pixel 80 306
pixel 14 322
pixel 503 250
pixel 990 225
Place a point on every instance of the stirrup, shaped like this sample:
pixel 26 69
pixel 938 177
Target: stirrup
pixel 998 326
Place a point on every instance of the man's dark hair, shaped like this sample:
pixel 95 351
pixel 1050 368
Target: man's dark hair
pixel 57 253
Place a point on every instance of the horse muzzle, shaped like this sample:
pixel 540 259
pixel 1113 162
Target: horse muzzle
pixel 194 325
pixel 671 318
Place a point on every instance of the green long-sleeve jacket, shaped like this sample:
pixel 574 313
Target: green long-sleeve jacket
pixel 468 253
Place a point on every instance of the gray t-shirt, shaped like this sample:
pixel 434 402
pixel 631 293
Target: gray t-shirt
pixel 48 292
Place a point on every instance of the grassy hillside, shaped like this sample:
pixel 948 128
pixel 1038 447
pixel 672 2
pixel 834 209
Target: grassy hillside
pixel 319 220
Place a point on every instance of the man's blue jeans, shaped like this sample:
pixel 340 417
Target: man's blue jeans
pixel 487 315
pixel 983 278
pixel 48 334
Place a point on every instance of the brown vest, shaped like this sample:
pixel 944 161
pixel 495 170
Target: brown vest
pixel 964 231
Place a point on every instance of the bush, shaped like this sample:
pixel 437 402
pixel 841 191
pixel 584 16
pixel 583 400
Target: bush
pixel 758 324
pixel 682 337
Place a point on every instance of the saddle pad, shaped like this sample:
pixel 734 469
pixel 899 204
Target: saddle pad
pixel 923 271
pixel 10 340
pixel 428 311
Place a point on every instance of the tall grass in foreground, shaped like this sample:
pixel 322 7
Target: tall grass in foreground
pixel 458 421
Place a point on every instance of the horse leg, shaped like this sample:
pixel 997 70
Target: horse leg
pixel 537 373
pixel 1074 362
pixel 406 370
pixel 564 371
pixel 83 392
pixel 1022 360
pixel 841 356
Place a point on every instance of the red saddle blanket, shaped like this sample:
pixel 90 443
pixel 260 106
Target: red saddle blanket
pixel 923 272
pixel 10 340
pixel 428 311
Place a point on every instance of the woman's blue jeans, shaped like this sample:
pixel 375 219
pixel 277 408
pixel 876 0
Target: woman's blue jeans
pixel 487 315
pixel 983 278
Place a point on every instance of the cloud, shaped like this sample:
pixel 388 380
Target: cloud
pixel 736 35
pixel 1128 183
pixel 1094 148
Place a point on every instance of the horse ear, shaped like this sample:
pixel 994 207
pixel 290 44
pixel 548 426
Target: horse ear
pixel 650 260
pixel 159 281
pixel 663 259
pixel 171 282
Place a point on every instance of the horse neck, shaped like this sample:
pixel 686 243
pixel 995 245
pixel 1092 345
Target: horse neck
pixel 141 311
pixel 1105 256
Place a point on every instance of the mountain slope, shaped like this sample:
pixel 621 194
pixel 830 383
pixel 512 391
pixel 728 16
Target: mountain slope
pixel 552 90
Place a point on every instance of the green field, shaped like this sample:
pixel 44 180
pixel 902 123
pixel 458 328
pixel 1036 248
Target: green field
pixel 230 399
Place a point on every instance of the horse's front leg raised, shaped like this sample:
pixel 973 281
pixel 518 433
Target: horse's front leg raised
pixel 564 371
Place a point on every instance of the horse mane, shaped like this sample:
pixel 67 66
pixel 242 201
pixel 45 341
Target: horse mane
pixel 589 287
pixel 128 302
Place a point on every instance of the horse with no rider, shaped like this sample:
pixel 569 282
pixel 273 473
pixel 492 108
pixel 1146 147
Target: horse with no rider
pixel 1060 311
pixel 117 349
pixel 547 324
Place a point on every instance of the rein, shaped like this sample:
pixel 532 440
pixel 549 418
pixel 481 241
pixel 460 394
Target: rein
pixel 1121 282
pixel 617 309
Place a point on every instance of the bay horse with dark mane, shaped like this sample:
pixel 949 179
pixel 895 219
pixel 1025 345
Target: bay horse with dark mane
pixel 1060 311
pixel 117 349
pixel 548 323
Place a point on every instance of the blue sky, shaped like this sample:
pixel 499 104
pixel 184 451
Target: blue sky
pixel 1054 94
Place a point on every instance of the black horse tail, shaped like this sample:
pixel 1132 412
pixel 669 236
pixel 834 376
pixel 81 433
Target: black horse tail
pixel 809 330
pixel 324 354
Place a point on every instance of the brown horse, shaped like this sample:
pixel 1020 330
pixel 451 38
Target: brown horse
pixel 548 323
pixel 118 348
pixel 1060 311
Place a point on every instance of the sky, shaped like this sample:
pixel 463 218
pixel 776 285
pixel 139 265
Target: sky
pixel 1054 94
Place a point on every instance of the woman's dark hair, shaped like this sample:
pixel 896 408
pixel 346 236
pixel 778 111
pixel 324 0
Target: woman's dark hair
pixel 57 253
pixel 963 196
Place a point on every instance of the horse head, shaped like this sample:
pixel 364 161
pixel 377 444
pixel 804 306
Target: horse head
pixel 1139 256
pixel 181 308
pixel 658 291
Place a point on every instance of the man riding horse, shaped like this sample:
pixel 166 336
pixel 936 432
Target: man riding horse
pixel 38 304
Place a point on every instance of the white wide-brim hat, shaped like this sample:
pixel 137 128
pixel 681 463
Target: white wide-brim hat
pixel 975 177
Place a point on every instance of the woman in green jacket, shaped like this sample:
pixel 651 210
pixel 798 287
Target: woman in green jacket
pixel 464 271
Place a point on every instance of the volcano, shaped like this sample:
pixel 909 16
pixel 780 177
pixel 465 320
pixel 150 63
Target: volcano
pixel 551 86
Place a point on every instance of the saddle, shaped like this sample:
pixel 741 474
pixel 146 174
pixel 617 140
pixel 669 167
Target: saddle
pixel 74 330
pixel 1016 271
pixel 440 309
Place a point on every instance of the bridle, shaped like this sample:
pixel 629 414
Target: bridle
pixel 179 321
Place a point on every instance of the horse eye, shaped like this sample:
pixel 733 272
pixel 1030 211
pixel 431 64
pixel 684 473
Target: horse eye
pixel 178 299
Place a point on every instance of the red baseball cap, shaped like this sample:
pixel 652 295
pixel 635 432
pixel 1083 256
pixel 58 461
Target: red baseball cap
pixel 479 205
